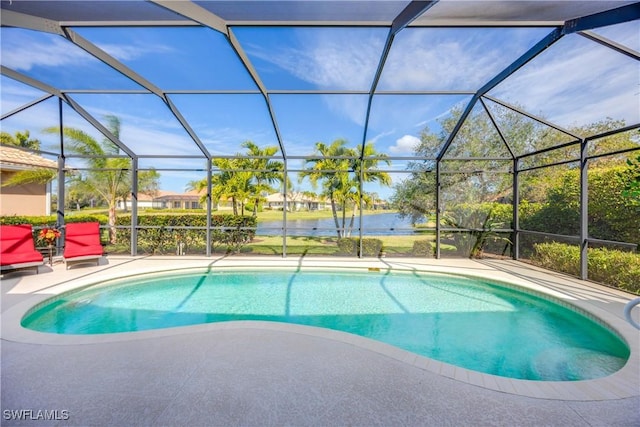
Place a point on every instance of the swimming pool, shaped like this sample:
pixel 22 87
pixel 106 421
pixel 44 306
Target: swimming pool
pixel 475 324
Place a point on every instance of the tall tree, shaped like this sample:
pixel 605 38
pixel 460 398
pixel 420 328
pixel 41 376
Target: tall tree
pixel 632 189
pixel 365 167
pixel 414 197
pixel 338 169
pixel 20 139
pixel 477 177
pixel 230 182
pixel 108 176
pixel 329 166
pixel 28 176
pixel 266 171
pixel 241 179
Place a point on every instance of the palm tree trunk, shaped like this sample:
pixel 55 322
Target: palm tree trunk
pixel 335 217
pixel 112 222
pixel 353 218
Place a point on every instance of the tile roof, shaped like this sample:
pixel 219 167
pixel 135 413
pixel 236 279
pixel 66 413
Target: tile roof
pixel 15 159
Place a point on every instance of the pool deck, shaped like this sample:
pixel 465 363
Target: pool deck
pixel 264 374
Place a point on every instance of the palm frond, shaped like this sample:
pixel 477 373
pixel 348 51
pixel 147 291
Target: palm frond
pixel 34 176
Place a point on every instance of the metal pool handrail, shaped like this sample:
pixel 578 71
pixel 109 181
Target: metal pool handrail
pixel 627 312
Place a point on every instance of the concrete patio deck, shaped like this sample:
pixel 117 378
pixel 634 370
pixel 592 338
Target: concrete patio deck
pixel 263 374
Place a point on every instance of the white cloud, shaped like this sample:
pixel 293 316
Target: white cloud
pixel 11 88
pixel 340 59
pixel 406 145
pixel 576 82
pixel 131 52
pixel 227 140
pixel 381 135
pixel 353 107
pixel 146 127
pixel 44 50
pixel 452 59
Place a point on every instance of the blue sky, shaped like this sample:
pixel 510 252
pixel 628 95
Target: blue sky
pixel 574 83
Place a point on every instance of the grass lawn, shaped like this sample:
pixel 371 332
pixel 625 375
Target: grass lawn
pixel 297 245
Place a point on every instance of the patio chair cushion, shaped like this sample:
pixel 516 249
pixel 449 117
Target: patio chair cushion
pixel 82 239
pixel 17 246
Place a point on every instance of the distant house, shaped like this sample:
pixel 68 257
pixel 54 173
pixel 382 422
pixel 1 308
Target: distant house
pixel 188 200
pixel 295 202
pixel 166 200
pixel 25 199
pixel 145 201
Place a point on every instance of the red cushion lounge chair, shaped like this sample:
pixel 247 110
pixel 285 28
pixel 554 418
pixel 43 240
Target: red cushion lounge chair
pixel 82 243
pixel 17 250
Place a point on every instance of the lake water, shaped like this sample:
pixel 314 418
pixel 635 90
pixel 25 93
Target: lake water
pixel 377 224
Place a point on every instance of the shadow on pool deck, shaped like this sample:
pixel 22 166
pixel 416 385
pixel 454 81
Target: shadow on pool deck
pixel 257 375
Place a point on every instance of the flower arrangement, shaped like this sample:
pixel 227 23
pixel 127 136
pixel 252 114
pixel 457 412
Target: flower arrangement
pixel 49 235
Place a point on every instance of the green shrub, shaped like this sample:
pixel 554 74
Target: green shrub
pixel 478 215
pixel 232 231
pixel 39 222
pixel 557 257
pixel 351 246
pixel 372 247
pixel 161 234
pixel 51 220
pixel 613 267
pixel 423 248
pixel 348 246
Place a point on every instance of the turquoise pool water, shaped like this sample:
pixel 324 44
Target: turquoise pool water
pixel 470 323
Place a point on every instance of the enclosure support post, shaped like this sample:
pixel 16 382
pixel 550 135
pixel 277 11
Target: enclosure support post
pixel 437 209
pixel 285 191
pixel 61 165
pixel 360 190
pixel 515 239
pixel 584 210
pixel 208 202
pixel 134 206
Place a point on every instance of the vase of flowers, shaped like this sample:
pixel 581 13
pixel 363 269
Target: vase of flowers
pixel 49 236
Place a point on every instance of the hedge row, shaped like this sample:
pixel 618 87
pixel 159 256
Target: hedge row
pixel 160 234
pixel 51 220
pixel 166 233
pixel 423 248
pixel 612 267
pixel 351 246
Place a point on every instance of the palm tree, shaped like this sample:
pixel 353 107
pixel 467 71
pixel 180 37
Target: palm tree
pixel 30 176
pixel 339 168
pixel 20 139
pixel 330 166
pixel 367 161
pixel 241 179
pixel 107 176
pixel 266 171
pixel 230 183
